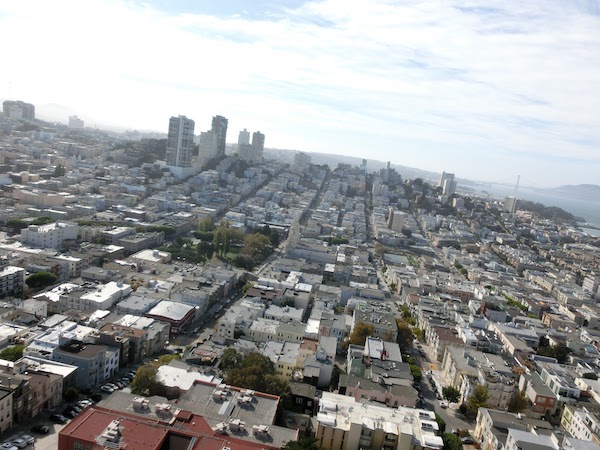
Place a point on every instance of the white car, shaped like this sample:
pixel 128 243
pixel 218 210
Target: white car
pixel 108 389
pixel 19 442
pixel 443 404
pixel 8 446
pixel 30 439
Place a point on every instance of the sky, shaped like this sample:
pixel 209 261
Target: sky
pixel 485 89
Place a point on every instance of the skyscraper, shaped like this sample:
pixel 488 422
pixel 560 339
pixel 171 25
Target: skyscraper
pixel 510 204
pixel 258 145
pixel 180 142
pixel 244 137
pixel 447 183
pixel 219 129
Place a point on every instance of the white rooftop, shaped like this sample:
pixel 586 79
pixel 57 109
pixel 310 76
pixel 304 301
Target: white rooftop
pixel 171 310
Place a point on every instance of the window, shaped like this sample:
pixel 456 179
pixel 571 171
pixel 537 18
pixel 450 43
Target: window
pixel 78 446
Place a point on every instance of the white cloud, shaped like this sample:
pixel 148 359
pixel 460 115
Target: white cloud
pixel 507 77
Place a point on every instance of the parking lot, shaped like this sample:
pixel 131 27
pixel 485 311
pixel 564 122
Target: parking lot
pixel 42 442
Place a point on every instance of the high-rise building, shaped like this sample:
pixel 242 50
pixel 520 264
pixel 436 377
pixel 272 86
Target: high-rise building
pixel 447 183
pixel 258 145
pixel 510 204
pixel 18 110
pixel 180 142
pixel 76 123
pixel 244 138
pixel 219 129
pixel 301 162
pixel 207 148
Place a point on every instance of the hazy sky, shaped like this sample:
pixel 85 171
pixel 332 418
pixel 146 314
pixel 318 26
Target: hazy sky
pixel 486 89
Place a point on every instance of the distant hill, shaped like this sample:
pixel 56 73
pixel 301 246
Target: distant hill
pixel 580 191
pixel 332 161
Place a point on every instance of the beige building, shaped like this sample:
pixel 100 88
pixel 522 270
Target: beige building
pixel 6 407
pixel 345 424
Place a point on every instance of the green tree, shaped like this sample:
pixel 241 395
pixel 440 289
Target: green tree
pixel 478 399
pixel 257 372
pixel 305 443
pixel 451 394
pixel 145 382
pixel 256 244
pixel 451 442
pixel 205 249
pixel 71 395
pixel 360 333
pixel 441 423
pixel 43 220
pixel 59 170
pixel 560 352
pixel 206 224
pixel 518 402
pixel 41 279
pixel 415 371
pixel 13 353
pixel 405 334
pixel 16 224
pixel 230 359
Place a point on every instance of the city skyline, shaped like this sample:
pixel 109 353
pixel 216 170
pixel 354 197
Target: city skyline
pixel 482 90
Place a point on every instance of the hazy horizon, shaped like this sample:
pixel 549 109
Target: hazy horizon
pixel 486 90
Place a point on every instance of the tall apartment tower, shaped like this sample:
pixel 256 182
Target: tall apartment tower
pixel 180 142
pixel 447 183
pixel 219 129
pixel 244 138
pixel 510 204
pixel 18 110
pixel 75 123
pixel 258 145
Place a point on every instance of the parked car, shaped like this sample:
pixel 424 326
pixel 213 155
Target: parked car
pixel 30 439
pixel 18 442
pixel 443 404
pixel 58 418
pixel 119 384
pixel 8 446
pixel 96 397
pixel 108 389
pixel 82 404
pixel 40 429
pixel 467 440
pixel 69 413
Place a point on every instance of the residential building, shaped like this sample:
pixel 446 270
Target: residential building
pixel 178 315
pixel 95 363
pixel 51 235
pixel 6 409
pixel 510 204
pixel 75 123
pixel 11 281
pixel 542 400
pixel 258 146
pixel 180 142
pixel 219 130
pixel 346 424
pixel 18 110
pixel 492 427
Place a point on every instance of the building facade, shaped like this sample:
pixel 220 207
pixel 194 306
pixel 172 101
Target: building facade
pixel 180 142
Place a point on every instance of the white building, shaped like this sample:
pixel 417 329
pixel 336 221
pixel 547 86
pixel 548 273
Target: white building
pixel 180 142
pixel 51 235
